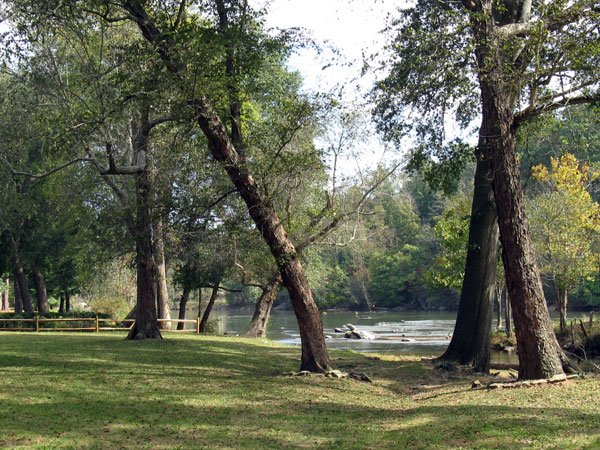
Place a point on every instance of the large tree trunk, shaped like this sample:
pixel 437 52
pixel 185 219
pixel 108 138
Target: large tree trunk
pixel 182 306
pixel 146 324
pixel 539 353
pixel 314 352
pixel 40 288
pixel 258 325
pixel 470 342
pixel 61 308
pixel 209 307
pixel 20 277
pixel 67 301
pixel 18 300
pixel 162 292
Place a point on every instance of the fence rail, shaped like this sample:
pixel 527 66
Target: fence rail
pixel 96 327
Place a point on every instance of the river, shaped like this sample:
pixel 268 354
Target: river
pixel 389 326
pixel 426 331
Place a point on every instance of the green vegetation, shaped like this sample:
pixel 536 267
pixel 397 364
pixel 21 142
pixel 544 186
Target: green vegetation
pixel 100 391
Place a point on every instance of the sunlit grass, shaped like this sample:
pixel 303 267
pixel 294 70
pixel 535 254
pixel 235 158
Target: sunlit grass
pixel 63 390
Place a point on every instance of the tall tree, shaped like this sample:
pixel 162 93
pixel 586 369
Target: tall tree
pixel 314 352
pixel 516 51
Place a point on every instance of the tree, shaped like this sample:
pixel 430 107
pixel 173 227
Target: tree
pixel 516 50
pixel 565 224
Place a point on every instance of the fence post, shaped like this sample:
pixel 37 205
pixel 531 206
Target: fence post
pixel 97 328
pixel 37 323
pixel 197 325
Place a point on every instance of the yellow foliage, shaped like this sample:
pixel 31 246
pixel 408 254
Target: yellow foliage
pixel 566 222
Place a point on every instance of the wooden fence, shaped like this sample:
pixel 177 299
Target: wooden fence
pixel 95 325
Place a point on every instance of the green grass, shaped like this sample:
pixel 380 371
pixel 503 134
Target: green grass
pixel 67 390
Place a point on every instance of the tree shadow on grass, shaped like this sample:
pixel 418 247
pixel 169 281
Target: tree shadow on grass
pixel 103 392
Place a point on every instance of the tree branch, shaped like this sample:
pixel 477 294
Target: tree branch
pixel 180 15
pixel 552 106
pixel 244 280
pixel 46 174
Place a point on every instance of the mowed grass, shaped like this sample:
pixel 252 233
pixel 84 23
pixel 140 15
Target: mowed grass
pixel 67 390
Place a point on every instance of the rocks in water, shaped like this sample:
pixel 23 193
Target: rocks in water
pixel 359 334
pixel 339 330
pixel 350 326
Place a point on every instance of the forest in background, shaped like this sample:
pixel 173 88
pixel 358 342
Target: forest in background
pixel 387 236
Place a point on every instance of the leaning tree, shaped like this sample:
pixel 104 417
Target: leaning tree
pixel 177 33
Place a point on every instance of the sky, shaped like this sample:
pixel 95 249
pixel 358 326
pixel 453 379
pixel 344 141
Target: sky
pixel 353 28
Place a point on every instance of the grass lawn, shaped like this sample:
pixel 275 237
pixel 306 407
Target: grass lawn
pixel 68 390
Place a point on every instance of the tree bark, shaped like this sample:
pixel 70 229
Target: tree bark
pixel 162 292
pixel 61 308
pixel 20 277
pixel 146 324
pixel 18 299
pixel 182 307
pixel 67 301
pixel 314 351
pixel 470 343
pixel 40 288
pixel 539 353
pixel 258 325
pixel 209 307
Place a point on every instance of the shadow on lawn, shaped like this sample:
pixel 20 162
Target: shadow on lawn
pixel 97 391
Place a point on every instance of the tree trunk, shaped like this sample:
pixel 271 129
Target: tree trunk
pixel 40 288
pixel 67 301
pixel 61 308
pixel 507 313
pixel 182 307
pixel 5 296
pixel 562 298
pixel 539 353
pixel 314 352
pixel 20 277
pixel 258 325
pixel 162 292
pixel 209 307
pixel 18 299
pixel 498 298
pixel 146 324
pixel 470 342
